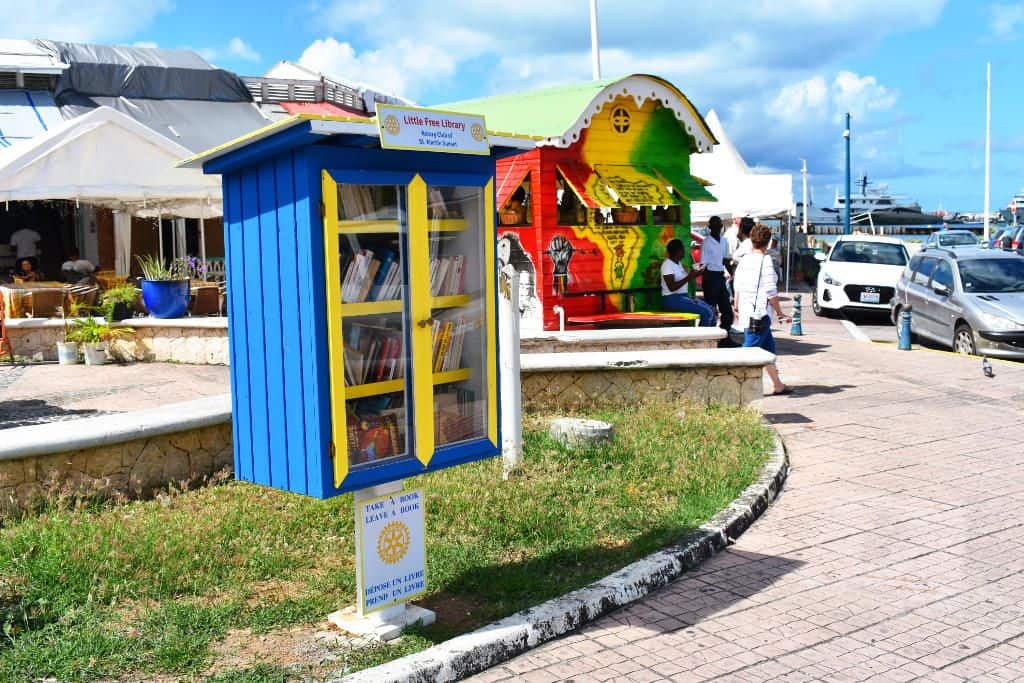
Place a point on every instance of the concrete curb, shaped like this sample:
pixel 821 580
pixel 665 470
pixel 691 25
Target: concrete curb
pixel 474 652
pixel 105 430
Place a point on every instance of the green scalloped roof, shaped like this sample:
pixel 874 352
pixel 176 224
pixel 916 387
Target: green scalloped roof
pixel 544 113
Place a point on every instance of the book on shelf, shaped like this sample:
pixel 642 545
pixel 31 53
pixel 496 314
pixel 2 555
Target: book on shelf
pixel 373 437
pixel 455 415
pixel 448 337
pixel 372 354
pixel 367 202
pixel 369 275
pixel 447 275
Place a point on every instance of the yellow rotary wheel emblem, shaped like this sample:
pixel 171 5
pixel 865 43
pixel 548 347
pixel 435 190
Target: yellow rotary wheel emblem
pixel 391 124
pixel 393 542
pixel 477 131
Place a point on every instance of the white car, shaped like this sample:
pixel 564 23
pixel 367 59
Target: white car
pixel 859 273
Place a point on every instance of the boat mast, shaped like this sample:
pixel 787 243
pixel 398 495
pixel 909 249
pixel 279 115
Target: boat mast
pixel 988 143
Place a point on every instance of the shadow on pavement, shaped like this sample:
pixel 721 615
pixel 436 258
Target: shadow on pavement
pixel 24 412
pixel 787 418
pixel 816 389
pixel 795 347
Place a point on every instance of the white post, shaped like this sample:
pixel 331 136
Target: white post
pixel 511 387
pixel 202 241
pixel 988 142
pixel 180 248
pixel 122 241
pixel 595 43
pixel 160 233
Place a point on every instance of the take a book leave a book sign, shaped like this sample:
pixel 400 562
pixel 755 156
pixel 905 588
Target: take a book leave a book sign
pixel 429 130
pixel 391 552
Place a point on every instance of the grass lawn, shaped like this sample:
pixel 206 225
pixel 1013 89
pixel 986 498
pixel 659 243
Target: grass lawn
pixel 154 589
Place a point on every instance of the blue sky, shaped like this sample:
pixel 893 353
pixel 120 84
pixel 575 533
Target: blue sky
pixel 780 73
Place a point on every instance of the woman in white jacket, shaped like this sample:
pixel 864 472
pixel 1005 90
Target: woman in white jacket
pixel 756 288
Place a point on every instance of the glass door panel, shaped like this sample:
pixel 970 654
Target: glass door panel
pixel 459 309
pixel 365 235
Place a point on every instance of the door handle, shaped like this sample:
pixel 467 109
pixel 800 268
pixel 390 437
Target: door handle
pixel 425 322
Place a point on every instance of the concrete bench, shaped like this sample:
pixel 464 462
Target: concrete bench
pixel 572 381
pixel 647 339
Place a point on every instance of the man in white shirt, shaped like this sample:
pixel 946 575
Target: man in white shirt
pixel 673 278
pixel 76 267
pixel 743 247
pixel 26 245
pixel 714 254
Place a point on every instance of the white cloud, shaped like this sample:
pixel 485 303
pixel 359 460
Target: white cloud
pixel 776 60
pixel 1005 21
pixel 145 43
pixel 74 20
pixel 241 49
pixel 404 67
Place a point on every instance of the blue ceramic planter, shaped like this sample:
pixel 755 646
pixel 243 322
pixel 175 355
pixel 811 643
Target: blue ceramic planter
pixel 166 298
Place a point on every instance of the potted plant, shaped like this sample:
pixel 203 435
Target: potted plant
pixel 119 302
pixel 165 287
pixel 67 350
pixel 92 334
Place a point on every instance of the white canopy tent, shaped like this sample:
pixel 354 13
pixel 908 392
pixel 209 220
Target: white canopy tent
pixel 106 158
pixel 740 191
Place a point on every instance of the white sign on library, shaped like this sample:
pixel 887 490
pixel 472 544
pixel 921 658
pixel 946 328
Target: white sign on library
pixel 429 130
pixel 391 552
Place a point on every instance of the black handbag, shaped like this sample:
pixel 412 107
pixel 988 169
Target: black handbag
pixel 758 325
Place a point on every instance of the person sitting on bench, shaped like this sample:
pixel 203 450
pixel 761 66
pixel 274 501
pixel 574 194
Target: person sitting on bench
pixel 673 278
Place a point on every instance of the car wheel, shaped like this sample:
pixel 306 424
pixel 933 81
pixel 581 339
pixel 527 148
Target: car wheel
pixel 815 306
pixel 963 340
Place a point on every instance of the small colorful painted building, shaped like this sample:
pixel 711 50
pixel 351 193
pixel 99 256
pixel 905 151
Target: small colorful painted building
pixel 586 215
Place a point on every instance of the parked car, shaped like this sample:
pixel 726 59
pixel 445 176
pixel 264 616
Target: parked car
pixel 952 238
pixel 971 300
pixel 1013 240
pixel 859 273
pixel 1002 236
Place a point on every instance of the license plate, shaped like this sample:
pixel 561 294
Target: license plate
pixel 870 297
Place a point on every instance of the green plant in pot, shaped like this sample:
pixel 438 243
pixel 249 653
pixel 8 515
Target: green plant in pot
pixel 119 302
pixel 93 334
pixel 165 286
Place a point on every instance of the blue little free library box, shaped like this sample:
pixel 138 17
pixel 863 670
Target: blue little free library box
pixel 361 294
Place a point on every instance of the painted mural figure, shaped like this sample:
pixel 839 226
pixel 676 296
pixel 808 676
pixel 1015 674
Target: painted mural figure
pixel 560 250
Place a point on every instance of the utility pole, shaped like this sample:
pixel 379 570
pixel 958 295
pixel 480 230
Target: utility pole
pixel 803 172
pixel 988 144
pixel 846 212
pixel 595 43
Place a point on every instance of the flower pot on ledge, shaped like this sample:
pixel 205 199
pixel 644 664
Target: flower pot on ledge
pixel 166 298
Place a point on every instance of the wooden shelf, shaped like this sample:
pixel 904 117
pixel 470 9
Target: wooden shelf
pixel 449 301
pixel 374 388
pixel 371 308
pixel 369 227
pixel 460 375
pixel 392 385
pixel 447 224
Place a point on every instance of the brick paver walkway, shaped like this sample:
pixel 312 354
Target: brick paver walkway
pixel 895 553
pixel 37 394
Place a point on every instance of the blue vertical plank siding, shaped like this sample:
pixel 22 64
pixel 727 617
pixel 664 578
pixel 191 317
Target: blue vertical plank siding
pixel 273 333
pixel 292 356
pixel 254 305
pixel 238 338
pixel 312 326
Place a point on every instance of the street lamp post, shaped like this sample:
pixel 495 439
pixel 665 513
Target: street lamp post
pixel 846 213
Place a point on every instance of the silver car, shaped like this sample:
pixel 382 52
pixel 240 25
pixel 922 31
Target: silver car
pixel 970 299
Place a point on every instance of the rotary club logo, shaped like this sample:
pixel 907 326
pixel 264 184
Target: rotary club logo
pixel 391 124
pixel 477 131
pixel 393 542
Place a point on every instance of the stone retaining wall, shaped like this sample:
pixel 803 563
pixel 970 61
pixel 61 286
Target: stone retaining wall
pixel 199 341
pixel 131 469
pixel 579 389
pixel 553 382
